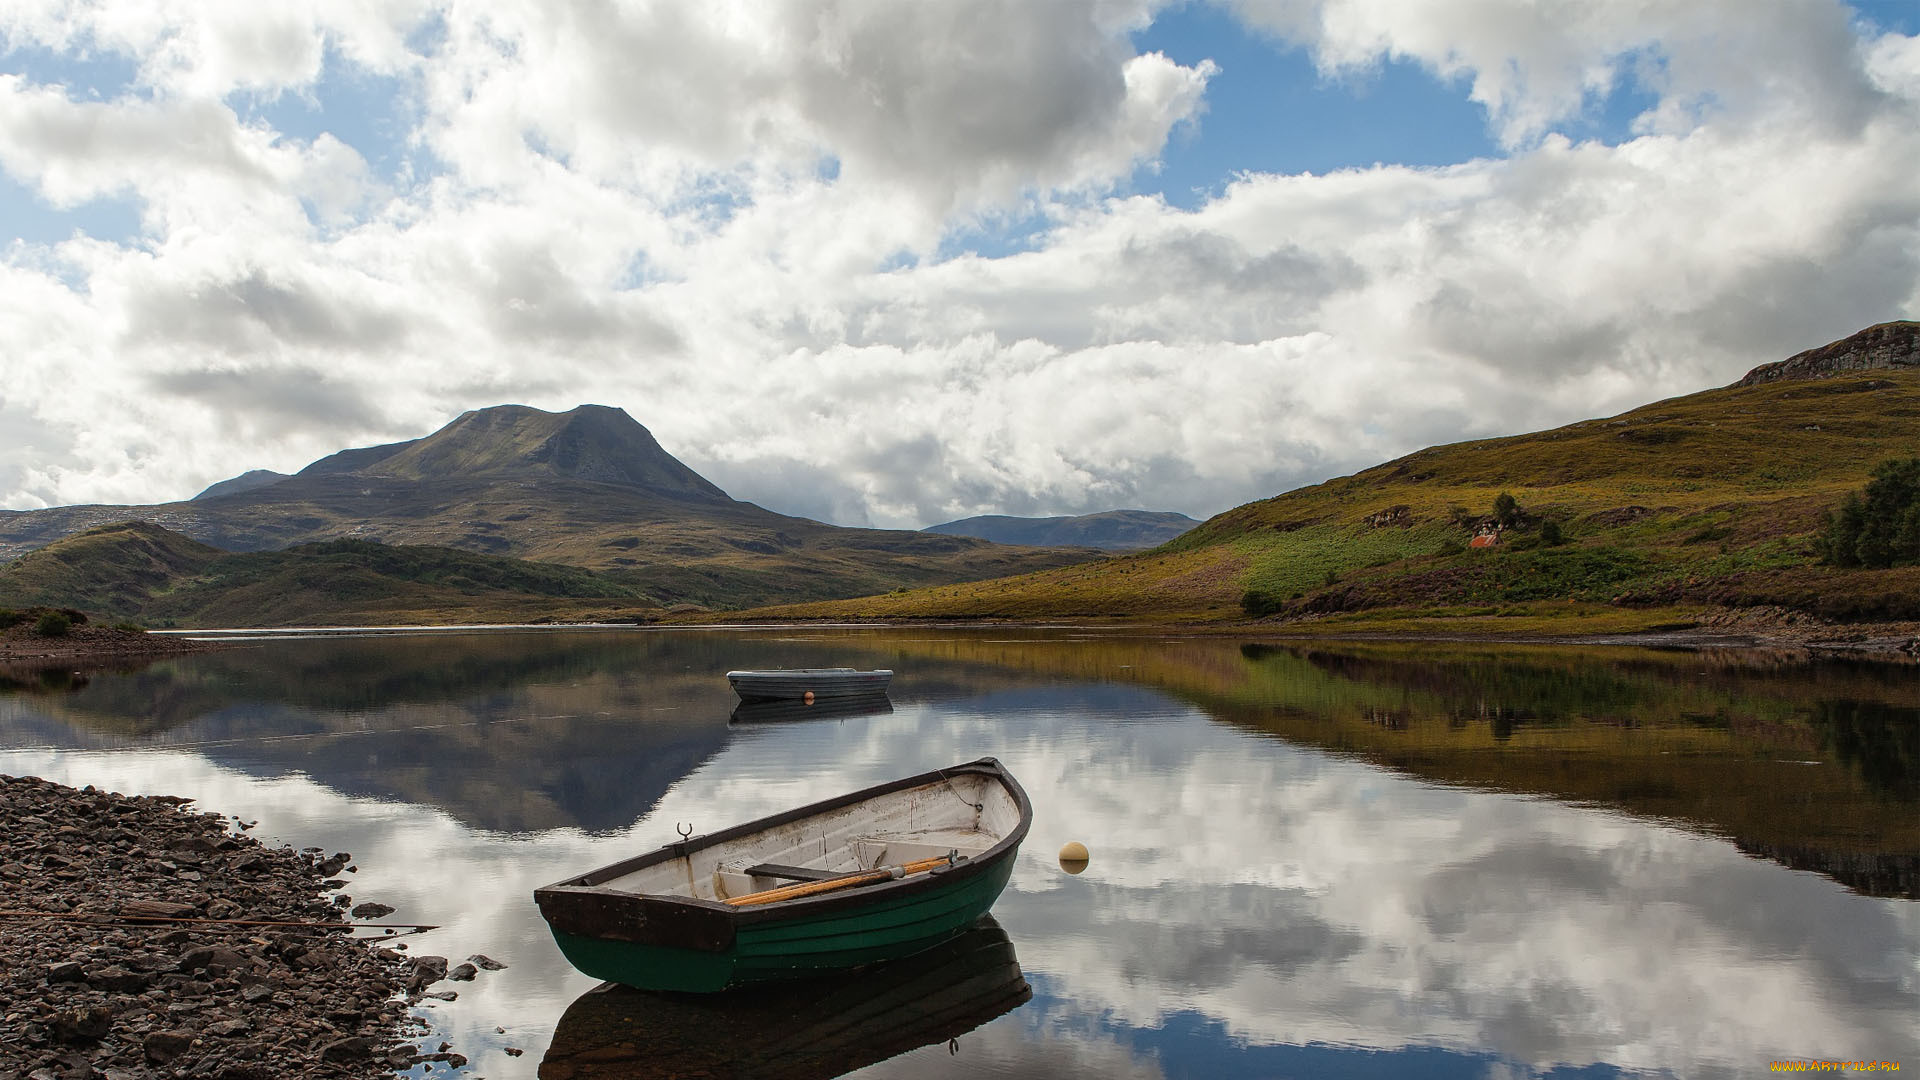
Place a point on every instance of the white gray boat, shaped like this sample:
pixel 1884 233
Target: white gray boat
pixel 808 684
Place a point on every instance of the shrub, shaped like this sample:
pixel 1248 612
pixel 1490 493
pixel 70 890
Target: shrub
pixel 1879 527
pixel 1506 510
pixel 1259 603
pixel 1449 547
pixel 53 624
pixel 1550 535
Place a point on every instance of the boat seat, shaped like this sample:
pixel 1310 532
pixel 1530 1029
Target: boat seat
pixel 739 878
pixel 895 848
pixel 796 873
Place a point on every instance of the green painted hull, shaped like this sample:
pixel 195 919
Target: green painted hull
pixel 806 945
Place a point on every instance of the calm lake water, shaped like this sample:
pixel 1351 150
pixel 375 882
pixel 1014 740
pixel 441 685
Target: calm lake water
pixel 1335 860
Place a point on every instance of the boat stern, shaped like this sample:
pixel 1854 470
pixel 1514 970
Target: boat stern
pixel 641 941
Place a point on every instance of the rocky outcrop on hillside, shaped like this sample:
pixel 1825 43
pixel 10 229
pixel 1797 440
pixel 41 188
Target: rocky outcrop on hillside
pixel 1888 345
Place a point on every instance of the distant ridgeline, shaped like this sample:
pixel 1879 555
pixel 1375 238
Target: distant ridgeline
pixel 588 490
pixel 1703 509
pixel 1113 530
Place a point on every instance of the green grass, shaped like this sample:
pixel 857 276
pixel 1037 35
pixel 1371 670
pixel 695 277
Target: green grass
pixel 1308 555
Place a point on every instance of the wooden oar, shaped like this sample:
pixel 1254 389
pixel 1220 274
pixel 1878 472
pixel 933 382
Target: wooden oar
pixel 858 877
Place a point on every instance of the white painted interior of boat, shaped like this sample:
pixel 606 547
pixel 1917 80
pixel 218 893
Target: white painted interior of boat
pixel 887 830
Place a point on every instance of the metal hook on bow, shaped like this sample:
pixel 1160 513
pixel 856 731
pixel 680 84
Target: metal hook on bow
pixel 685 831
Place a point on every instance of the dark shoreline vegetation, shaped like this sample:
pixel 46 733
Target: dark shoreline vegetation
pixel 143 940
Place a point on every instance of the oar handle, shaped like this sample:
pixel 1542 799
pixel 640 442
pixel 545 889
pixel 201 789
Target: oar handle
pixel 858 877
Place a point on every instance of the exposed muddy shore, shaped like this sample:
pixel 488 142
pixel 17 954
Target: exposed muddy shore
pixel 95 645
pixel 142 940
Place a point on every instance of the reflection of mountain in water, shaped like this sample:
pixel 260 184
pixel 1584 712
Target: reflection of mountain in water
pixel 815 1029
pixel 508 732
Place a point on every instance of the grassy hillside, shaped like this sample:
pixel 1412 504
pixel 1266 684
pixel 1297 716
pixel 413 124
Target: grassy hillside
pixel 140 571
pixel 114 570
pixel 1706 501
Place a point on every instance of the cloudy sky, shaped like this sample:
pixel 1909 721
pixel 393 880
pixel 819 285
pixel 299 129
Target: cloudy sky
pixel 894 263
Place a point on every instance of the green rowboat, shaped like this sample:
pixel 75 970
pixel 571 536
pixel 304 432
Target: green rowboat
pixel 872 876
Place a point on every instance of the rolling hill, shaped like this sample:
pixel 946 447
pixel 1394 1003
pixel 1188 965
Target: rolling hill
pixel 1112 530
pixel 140 571
pixel 589 488
pixel 1708 503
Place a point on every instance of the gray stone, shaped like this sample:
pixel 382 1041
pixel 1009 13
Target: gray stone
pixel 163 1046
pixel 353 1048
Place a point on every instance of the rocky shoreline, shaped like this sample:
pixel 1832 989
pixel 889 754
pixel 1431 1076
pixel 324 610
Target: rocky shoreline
pixel 141 940
pixel 96 644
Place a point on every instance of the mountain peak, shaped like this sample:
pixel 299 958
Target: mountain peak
pixel 251 480
pixel 1888 345
pixel 597 443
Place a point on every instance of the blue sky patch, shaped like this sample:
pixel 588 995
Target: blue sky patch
pixel 1269 110
pixel 1193 1046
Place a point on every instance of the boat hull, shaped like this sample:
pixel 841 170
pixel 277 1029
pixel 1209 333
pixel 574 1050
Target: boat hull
pixel 797 684
pixel 664 921
pixel 799 947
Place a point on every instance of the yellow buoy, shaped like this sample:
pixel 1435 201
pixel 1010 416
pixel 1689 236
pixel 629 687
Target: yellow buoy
pixel 1073 857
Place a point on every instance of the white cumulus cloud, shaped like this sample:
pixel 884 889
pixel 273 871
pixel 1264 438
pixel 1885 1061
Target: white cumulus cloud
pixel 738 221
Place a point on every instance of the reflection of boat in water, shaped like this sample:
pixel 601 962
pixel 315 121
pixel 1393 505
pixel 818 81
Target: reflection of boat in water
pixel 878 874
pixel 773 712
pixel 808 684
pixel 813 1029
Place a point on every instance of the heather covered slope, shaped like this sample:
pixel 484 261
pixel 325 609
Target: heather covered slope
pixel 1708 501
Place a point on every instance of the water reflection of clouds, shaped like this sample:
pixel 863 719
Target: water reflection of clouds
pixel 1251 907
pixel 1296 898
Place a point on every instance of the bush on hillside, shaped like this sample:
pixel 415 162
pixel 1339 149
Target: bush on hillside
pixel 53 624
pixel 1506 510
pixel 1259 603
pixel 1879 527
